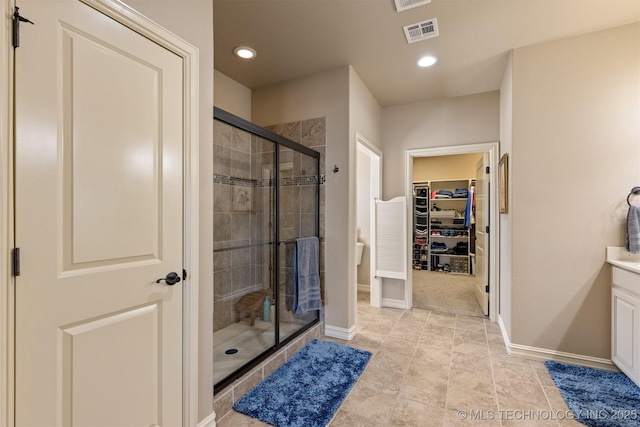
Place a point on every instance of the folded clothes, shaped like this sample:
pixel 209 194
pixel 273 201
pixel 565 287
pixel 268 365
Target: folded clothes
pixel 438 247
pixel 462 248
pixel 444 193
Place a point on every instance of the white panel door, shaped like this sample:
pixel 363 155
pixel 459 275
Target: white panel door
pixel 99 217
pixel 482 240
pixel 391 238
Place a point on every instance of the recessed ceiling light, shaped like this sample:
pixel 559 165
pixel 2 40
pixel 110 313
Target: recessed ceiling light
pixel 244 52
pixel 427 61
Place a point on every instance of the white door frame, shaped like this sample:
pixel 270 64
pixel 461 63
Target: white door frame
pixel 189 54
pixel 493 150
pixel 6 217
pixel 375 192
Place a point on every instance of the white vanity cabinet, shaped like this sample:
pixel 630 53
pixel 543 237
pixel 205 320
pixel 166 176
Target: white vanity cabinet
pixel 625 322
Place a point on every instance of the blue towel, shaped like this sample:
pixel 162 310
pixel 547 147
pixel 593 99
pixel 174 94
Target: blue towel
pixel 306 290
pixel 633 229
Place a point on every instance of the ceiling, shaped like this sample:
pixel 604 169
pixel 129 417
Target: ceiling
pixel 294 38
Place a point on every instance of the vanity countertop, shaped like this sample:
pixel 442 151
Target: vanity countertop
pixel 619 257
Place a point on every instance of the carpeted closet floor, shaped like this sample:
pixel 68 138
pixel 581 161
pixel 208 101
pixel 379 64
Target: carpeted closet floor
pixel 444 292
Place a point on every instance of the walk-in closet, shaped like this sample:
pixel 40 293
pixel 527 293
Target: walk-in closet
pixel 444 253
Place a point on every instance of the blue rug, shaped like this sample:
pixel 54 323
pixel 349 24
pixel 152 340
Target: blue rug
pixel 597 398
pixel 308 389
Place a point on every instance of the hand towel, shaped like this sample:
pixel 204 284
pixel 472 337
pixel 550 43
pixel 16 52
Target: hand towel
pixel 633 229
pixel 307 276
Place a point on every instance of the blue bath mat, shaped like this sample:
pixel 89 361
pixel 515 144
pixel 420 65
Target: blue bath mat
pixel 597 398
pixel 308 389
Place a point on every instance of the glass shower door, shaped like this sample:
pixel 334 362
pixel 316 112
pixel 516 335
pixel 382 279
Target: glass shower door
pixel 266 195
pixel 298 217
pixel 244 327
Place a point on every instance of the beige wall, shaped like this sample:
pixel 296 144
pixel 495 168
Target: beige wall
pixel 365 113
pixel 463 120
pixel 341 97
pixel 437 123
pixel 192 20
pixel 575 156
pixel 322 95
pixel 460 166
pixel 231 96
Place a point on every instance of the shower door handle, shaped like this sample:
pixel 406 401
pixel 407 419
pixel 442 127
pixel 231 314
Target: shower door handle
pixel 171 279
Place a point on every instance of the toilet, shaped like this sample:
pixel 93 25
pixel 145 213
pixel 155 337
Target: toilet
pixel 359 249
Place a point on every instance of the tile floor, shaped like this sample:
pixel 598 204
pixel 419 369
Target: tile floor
pixel 437 369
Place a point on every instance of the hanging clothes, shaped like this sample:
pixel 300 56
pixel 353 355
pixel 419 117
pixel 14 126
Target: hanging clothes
pixel 469 218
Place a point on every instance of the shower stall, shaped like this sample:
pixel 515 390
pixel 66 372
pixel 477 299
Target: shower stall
pixel 266 195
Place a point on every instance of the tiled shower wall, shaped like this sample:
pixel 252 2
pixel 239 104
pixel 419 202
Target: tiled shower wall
pixel 243 199
pixel 297 198
pixel 234 211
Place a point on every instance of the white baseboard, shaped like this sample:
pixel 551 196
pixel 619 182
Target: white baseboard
pixel 340 333
pixel 542 354
pixel 394 303
pixel 364 288
pixel 210 421
pixel 505 335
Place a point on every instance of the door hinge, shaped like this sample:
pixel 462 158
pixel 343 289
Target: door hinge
pixel 486 288
pixel 486 229
pixel 17 19
pixel 487 169
pixel 16 261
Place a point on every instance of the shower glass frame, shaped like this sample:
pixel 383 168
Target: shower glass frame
pixel 276 242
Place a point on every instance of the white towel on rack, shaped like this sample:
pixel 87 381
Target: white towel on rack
pixel 633 229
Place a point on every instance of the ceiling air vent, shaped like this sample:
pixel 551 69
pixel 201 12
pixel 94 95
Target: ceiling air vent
pixel 408 4
pixel 421 30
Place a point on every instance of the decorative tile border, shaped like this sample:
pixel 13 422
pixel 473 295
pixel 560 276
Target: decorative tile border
pixel 286 182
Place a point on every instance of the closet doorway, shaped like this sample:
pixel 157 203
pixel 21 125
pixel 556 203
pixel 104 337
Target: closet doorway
pixel 453 252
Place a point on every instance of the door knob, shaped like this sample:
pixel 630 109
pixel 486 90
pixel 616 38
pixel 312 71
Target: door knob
pixel 171 279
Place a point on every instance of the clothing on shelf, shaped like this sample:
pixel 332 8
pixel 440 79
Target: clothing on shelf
pixel 460 193
pixel 461 248
pixel 444 194
pixel 421 232
pixel 438 247
pixel 441 238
